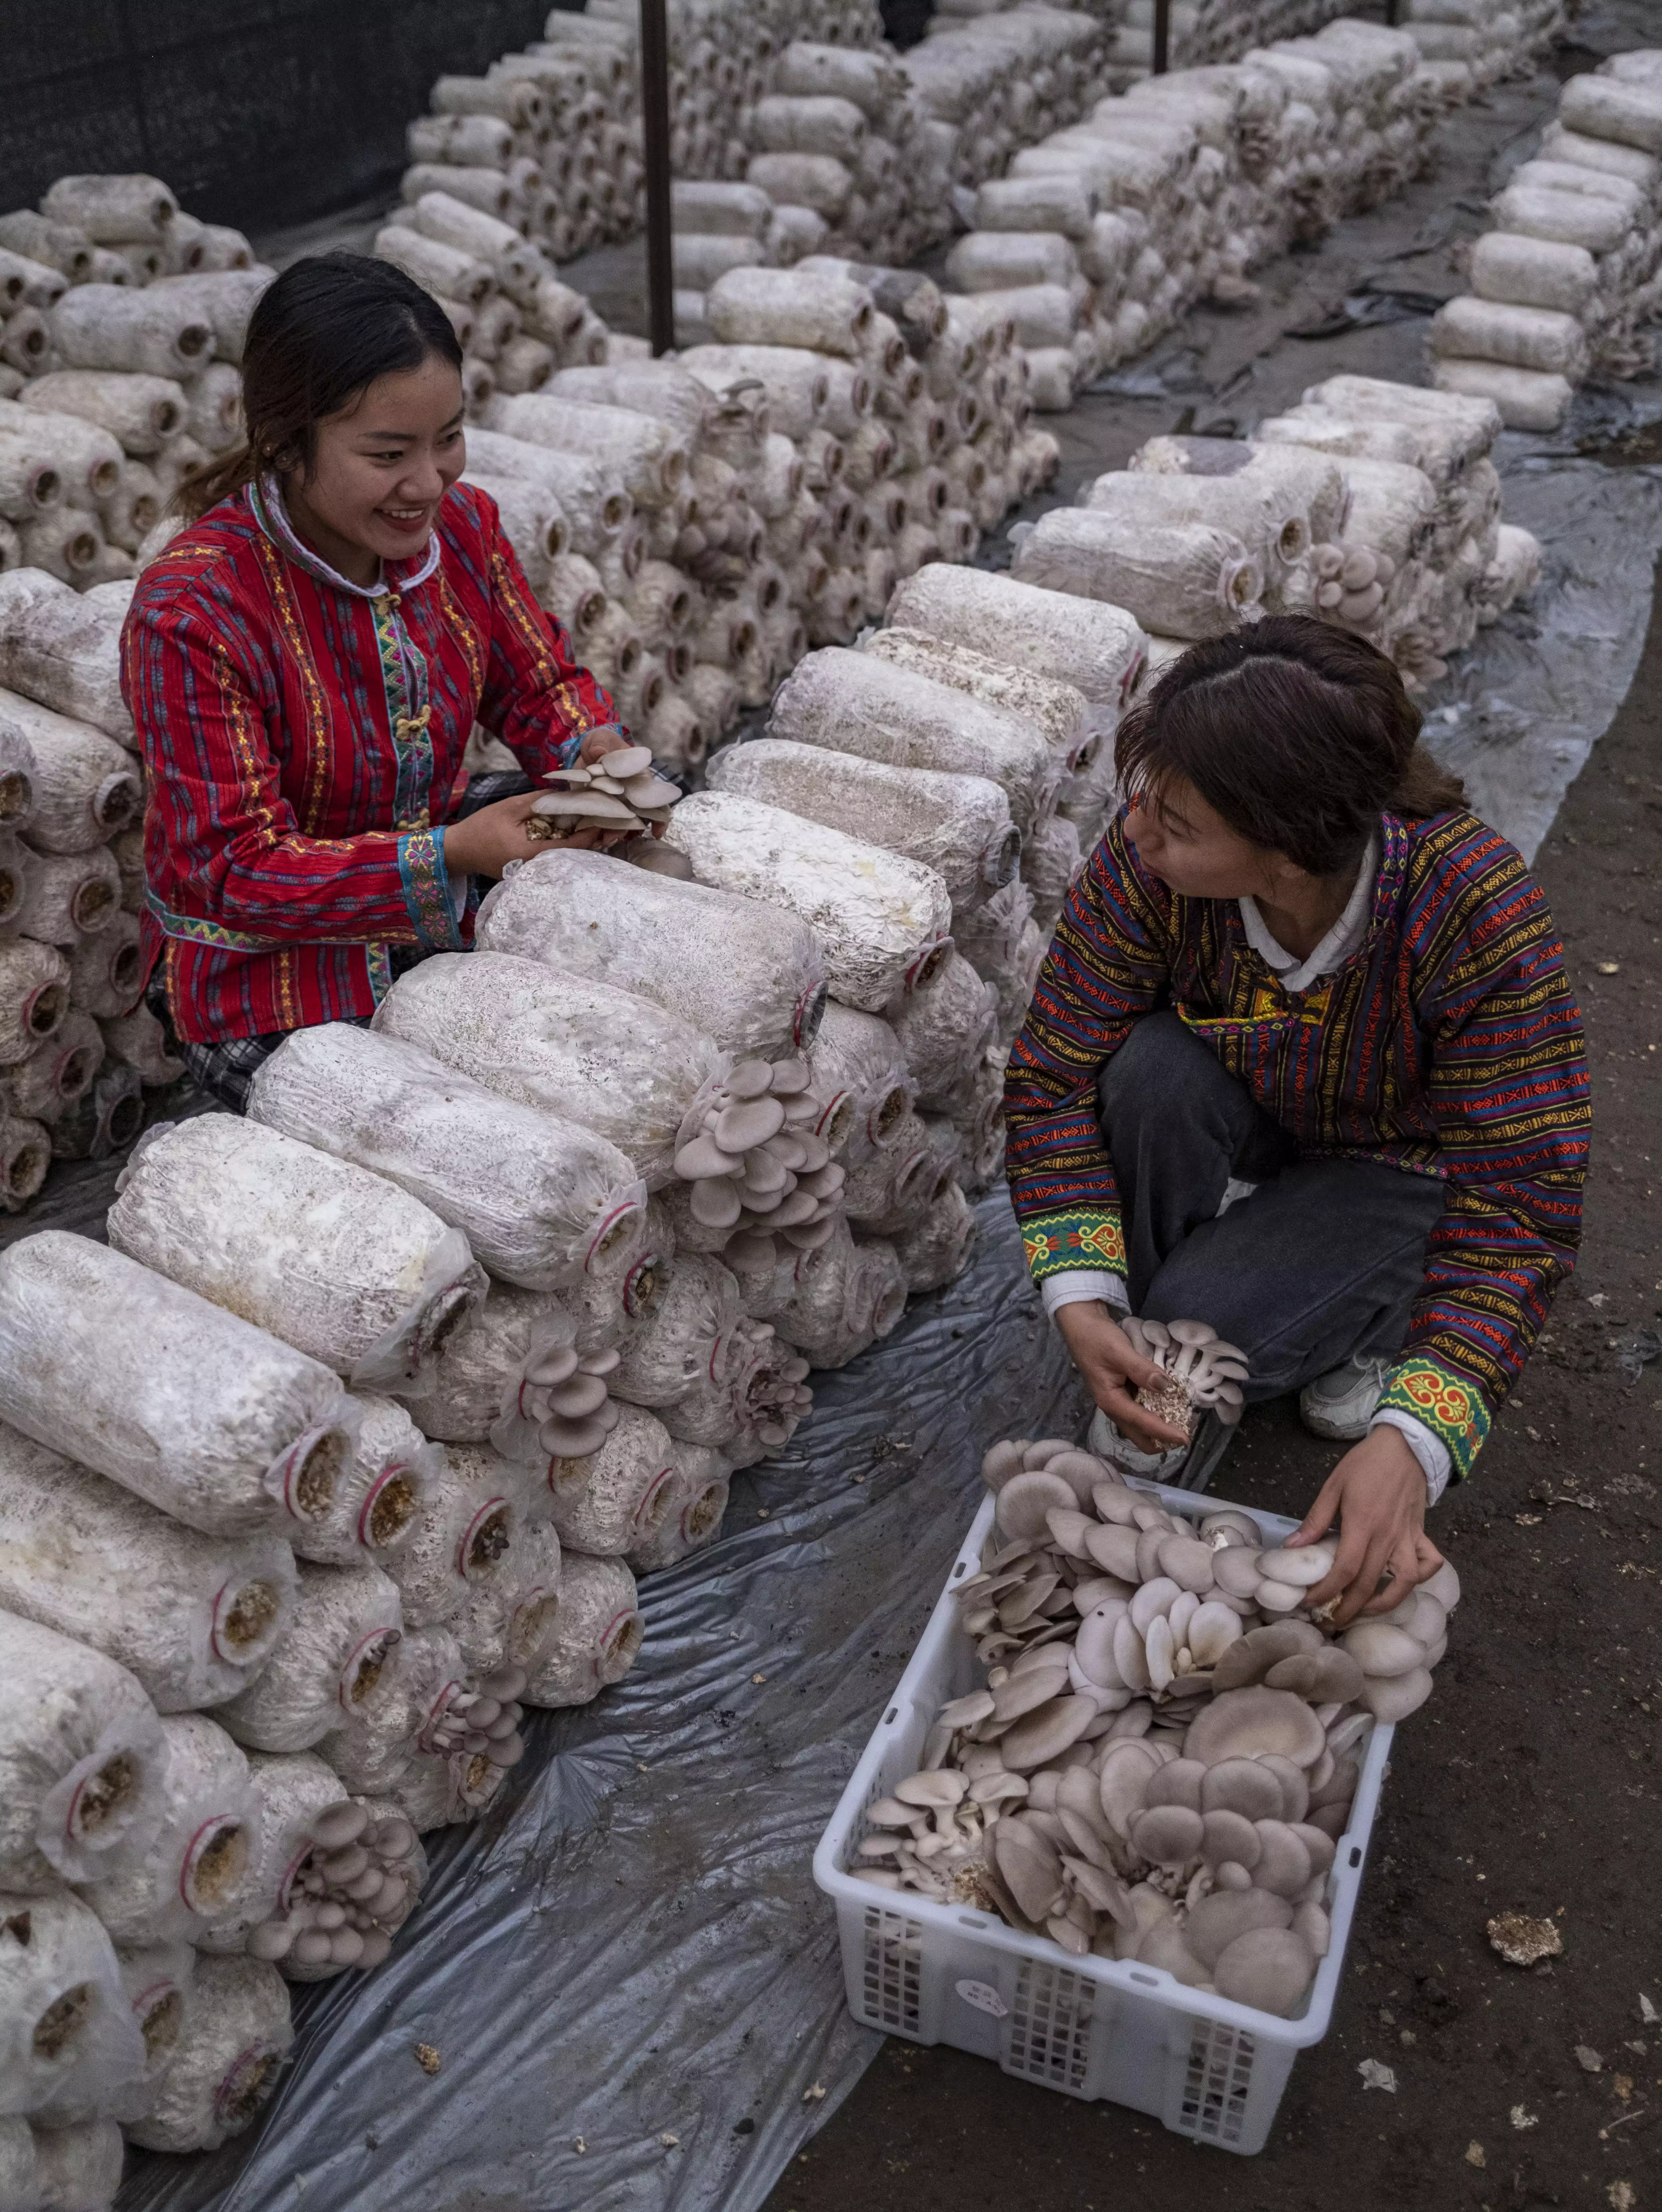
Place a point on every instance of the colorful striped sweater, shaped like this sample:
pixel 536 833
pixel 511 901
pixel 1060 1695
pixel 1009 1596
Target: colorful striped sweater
pixel 304 740
pixel 1447 1044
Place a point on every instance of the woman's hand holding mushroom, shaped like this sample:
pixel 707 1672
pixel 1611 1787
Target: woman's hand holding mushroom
pixel 484 844
pixel 1113 1368
pixel 1377 1493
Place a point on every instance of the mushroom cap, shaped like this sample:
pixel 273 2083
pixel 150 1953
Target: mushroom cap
pixel 1164 1946
pixel 1177 1782
pixel 1190 1332
pixel 1230 1521
pixel 625 761
pixel 1154 1601
pixel 1444 1587
pixel 1045 1449
pixel 1278 1597
pixel 1025 1500
pixel 1250 1658
pixel 1123 1781
pixel 1320 1846
pixel 1098 1590
pixel 1223 1917
pixel 1243 1786
pixel 1169 1835
pixel 939 1785
pixel 1329 1677
pixel 1159 1650
pixel 1115 1503
pixel 1378 1649
pixel 1269 1968
pixel 1029 1865
pixel 1229 1837
pixel 1212 1629
pixel 1080 1470
pixel 965 1711
pixel 999 1463
pixel 1283 1866
pixel 1115 1551
pixel 1245 1724
pixel 1093 1646
pixel 1020 1694
pixel 1067 1531
pixel 749 1122
pixel 1046 1733
pixel 1130 1655
pixel 1235 1569
pixel 1392 1697
pixel 1187 1561
pixel 1304 1568
pixel 1295 1791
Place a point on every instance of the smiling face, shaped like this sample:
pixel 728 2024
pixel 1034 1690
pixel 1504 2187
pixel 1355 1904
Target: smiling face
pixel 381 468
pixel 1192 849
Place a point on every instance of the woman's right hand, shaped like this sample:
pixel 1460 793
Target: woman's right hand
pixel 1104 1356
pixel 483 843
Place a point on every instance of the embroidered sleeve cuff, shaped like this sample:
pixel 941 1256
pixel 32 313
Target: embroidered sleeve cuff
pixel 1080 1285
pixel 428 897
pixel 1445 1402
pixel 1062 1243
pixel 1427 1447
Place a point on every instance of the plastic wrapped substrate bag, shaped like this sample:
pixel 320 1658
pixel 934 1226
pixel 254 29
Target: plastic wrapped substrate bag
pixel 83 1761
pixel 539 1199
pixel 219 1424
pixel 191 1615
pixel 336 1261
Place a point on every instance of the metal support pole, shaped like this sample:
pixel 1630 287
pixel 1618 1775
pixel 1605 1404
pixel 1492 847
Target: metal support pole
pixel 1162 36
pixel 654 123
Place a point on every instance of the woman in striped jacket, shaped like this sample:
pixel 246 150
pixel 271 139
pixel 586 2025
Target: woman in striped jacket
pixel 1302 1063
pixel 304 663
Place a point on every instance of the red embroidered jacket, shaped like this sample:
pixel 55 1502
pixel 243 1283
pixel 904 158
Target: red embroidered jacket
pixel 304 742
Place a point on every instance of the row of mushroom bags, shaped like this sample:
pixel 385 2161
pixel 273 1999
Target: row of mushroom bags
pixel 351 1443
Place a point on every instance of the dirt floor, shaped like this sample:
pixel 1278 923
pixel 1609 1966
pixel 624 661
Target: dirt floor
pixel 1532 1782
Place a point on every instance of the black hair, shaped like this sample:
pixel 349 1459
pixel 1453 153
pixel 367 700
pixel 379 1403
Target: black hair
pixel 320 335
pixel 1298 734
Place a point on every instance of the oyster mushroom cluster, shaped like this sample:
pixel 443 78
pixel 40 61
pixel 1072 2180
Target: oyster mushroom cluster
pixel 1153 1769
pixel 621 792
pixel 562 1394
pixel 759 1168
pixel 343 1903
pixel 1202 1371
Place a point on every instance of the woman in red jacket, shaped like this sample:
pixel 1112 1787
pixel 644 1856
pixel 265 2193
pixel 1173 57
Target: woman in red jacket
pixel 305 662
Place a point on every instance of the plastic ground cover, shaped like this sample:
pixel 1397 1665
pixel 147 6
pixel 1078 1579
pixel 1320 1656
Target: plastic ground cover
pixel 633 1986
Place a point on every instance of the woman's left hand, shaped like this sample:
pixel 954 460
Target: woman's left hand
pixel 1377 1493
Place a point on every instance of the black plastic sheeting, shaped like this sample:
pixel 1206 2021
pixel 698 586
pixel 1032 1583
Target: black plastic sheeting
pixel 633 1984
pixel 262 114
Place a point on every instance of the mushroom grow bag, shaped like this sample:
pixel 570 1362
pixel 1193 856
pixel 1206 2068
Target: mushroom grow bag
pixel 697 1930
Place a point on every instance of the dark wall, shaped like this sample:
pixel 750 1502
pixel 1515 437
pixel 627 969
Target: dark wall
pixel 259 113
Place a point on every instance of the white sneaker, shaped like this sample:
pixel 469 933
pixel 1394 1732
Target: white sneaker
pixel 1342 1404
pixel 1108 1441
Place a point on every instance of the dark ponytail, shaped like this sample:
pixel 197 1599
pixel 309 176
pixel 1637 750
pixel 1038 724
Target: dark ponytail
pixel 1297 734
pixel 318 336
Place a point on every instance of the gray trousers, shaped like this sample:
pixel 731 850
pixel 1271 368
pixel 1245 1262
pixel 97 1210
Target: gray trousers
pixel 1323 1261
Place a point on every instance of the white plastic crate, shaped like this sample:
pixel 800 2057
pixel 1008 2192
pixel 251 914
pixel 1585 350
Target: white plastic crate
pixel 1090 2028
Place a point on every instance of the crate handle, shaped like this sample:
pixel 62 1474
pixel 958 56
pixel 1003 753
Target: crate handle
pixel 888 1722
pixel 1355 1855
